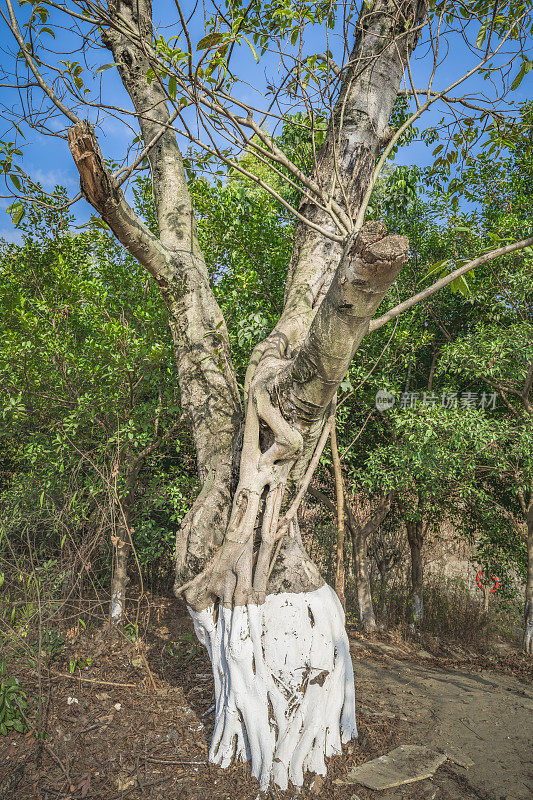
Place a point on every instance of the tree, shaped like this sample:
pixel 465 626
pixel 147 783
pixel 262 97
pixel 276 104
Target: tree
pixel 497 353
pixel 85 362
pixel 274 630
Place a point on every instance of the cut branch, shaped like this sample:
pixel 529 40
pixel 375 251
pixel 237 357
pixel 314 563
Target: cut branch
pixel 102 191
pixel 440 284
pixel 368 268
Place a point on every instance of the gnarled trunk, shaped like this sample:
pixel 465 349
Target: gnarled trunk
pixel 274 630
pixel 283 683
pixel 261 580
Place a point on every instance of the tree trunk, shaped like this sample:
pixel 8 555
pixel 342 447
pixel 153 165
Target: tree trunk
pixel 362 577
pixel 339 494
pixel 528 611
pixel 119 580
pixel 273 629
pixel 383 574
pixel 416 540
pixel 360 536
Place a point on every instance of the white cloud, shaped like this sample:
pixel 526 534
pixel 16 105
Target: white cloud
pixel 52 177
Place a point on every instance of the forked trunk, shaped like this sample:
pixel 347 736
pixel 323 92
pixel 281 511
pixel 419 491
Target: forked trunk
pixel 416 540
pixel 274 630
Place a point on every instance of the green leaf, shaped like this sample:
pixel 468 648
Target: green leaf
pixel 482 33
pixel 105 67
pixel 461 286
pixel 17 211
pixel 211 40
pixel 524 70
pixel 172 87
pixel 439 266
pixel 252 48
pixel 98 222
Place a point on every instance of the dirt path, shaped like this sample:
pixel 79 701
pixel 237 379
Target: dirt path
pixel 485 718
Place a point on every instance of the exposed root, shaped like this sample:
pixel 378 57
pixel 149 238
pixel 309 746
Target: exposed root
pixel 284 684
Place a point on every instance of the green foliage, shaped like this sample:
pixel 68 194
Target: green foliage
pixel 185 648
pixel 13 703
pixel 88 371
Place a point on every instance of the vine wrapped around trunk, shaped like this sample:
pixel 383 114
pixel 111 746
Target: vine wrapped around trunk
pixel 260 604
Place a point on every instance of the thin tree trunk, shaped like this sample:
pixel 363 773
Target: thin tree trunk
pixel 119 579
pixel 383 573
pixel 359 539
pixel 416 540
pixel 339 494
pixel 362 577
pixel 528 611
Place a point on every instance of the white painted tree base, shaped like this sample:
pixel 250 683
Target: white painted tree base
pixel 116 608
pixel 284 685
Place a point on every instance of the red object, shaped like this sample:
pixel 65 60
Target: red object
pixel 479 581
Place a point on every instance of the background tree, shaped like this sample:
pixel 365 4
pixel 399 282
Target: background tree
pixel 87 369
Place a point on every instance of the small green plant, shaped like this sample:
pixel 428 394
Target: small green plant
pixel 79 663
pixel 185 648
pixel 13 703
pixel 131 630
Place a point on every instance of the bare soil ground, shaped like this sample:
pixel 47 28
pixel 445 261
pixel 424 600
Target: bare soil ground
pixel 143 718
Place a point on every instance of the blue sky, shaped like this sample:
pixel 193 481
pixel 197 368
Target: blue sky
pixel 48 160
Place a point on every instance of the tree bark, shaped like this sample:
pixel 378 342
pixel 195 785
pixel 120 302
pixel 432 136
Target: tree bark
pixel 415 538
pixel 362 577
pixel 208 388
pixel 119 580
